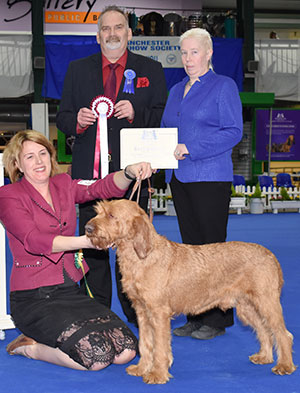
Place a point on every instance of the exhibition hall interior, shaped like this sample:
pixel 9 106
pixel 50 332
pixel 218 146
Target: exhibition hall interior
pixel 256 43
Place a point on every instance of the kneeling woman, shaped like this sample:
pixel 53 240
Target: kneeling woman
pixel 59 325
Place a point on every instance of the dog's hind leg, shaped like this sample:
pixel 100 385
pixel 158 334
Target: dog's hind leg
pixel 145 345
pixel 247 313
pixel 162 355
pixel 271 311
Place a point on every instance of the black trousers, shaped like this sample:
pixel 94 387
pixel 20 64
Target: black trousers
pixel 202 210
pixel 99 276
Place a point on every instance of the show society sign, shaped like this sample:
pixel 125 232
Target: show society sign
pixel 163 49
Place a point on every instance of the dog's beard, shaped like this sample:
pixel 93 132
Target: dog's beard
pixel 113 43
pixel 99 241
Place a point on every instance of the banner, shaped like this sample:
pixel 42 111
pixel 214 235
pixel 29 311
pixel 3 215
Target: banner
pixel 163 49
pixel 285 131
pixel 60 50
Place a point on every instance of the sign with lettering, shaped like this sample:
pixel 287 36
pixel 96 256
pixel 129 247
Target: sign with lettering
pixel 71 17
pixel 15 15
pixel 163 49
pixel 285 131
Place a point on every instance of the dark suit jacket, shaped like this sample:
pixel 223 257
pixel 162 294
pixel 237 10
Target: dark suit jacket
pixel 83 82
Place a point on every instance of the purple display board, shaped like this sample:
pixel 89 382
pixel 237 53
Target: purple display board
pixel 285 134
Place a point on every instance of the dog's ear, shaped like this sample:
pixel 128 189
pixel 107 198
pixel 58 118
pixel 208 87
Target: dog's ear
pixel 141 237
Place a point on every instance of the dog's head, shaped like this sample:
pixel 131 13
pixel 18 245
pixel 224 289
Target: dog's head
pixel 120 221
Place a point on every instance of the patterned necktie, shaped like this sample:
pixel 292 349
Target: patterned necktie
pixel 111 82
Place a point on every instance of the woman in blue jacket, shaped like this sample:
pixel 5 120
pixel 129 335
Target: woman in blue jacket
pixel 206 109
pixel 59 324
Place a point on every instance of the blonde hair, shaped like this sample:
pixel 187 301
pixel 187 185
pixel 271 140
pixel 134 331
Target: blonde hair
pixel 202 36
pixel 112 8
pixel 14 147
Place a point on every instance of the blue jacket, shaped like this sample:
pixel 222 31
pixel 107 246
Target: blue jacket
pixel 209 121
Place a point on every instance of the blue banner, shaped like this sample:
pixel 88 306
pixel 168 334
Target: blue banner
pixel 60 50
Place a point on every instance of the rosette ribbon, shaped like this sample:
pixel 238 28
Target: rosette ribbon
pixel 128 84
pixel 103 108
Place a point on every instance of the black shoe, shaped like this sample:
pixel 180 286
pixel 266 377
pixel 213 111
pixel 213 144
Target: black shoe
pixel 207 332
pixel 186 330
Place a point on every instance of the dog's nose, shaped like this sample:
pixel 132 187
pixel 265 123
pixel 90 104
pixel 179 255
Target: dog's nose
pixel 89 228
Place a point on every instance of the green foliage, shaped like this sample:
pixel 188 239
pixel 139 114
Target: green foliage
pixel 257 192
pixel 284 194
pixel 235 194
pixel 167 198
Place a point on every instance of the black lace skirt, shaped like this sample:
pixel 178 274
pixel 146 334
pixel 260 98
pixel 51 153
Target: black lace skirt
pixel 60 316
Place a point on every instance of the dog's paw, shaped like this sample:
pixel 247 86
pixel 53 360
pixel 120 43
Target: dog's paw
pixel 258 358
pixel 135 370
pixel 281 369
pixel 154 377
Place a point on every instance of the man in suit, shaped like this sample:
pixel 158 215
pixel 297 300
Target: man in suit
pixel 141 107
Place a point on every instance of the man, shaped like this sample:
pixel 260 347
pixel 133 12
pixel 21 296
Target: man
pixel 141 107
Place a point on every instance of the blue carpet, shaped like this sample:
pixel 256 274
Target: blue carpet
pixel 217 366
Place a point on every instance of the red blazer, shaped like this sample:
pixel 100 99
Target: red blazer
pixel 31 226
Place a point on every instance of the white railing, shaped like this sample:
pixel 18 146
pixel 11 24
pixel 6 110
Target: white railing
pixel 268 193
pixel 160 197
pixel 159 200
pixel 278 69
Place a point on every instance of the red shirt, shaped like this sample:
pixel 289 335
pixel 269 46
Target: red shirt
pixel 105 71
pixel 119 70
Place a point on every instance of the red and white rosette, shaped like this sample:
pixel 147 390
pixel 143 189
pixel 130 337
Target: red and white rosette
pixel 103 109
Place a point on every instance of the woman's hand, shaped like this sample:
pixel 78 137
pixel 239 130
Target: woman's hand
pixel 132 172
pixel 89 244
pixel 71 243
pixel 139 171
pixel 180 152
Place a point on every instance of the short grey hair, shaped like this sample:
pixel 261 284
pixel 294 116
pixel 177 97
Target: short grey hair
pixel 202 36
pixel 112 8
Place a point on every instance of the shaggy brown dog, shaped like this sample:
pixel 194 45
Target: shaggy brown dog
pixel 163 278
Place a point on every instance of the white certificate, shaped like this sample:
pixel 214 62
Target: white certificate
pixel 154 145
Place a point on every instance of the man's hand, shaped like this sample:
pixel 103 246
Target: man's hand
pixel 85 117
pixel 124 110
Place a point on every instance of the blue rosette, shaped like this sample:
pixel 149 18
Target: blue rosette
pixel 128 85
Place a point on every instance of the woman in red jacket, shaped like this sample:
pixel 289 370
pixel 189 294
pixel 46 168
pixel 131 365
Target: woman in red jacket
pixel 59 325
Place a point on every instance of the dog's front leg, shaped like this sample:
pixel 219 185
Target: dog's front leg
pixel 162 351
pixel 145 345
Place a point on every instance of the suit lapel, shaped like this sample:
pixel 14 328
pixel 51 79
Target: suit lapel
pixel 197 94
pixel 37 198
pixel 96 79
pixel 130 64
